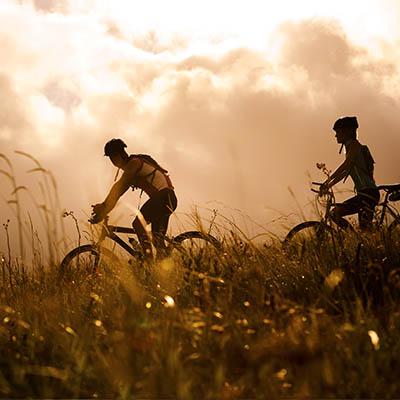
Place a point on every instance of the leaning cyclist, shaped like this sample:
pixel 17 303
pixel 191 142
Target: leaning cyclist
pixel 359 165
pixel 143 172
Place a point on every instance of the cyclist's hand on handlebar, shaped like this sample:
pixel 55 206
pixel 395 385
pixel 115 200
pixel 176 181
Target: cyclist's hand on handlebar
pixel 98 213
pixel 96 219
pixel 99 209
pixel 323 190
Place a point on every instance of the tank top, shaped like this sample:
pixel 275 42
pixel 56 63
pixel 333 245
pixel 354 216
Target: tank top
pixel 358 171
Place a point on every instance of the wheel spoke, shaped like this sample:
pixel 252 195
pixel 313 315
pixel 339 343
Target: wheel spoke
pixel 194 250
pixel 307 238
pixel 394 231
pixel 85 261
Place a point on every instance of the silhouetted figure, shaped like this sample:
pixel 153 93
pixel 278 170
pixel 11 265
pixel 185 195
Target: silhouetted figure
pixel 359 164
pixel 143 172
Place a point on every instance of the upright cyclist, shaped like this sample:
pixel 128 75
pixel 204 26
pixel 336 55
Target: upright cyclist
pixel 143 172
pixel 359 164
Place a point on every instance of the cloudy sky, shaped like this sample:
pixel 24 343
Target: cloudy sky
pixel 235 98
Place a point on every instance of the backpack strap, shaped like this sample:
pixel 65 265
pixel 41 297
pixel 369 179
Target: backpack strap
pixel 341 148
pixel 157 167
pixel 366 154
pixel 363 149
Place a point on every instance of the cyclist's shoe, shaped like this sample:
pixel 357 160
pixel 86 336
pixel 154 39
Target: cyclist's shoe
pixel 134 243
pixel 139 256
pixel 162 253
pixel 148 258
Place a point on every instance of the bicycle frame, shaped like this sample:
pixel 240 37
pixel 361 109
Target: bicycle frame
pixel 386 208
pixel 109 231
pixel 330 202
pixel 296 234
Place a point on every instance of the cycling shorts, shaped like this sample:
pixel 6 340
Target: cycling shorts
pixel 159 206
pixel 364 204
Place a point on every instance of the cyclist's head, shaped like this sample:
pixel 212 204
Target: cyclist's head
pixel 114 147
pixel 346 126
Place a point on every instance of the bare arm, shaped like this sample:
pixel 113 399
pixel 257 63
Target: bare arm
pixel 343 170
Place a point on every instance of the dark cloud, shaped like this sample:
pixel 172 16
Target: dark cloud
pixel 235 130
pixel 321 48
pixel 61 6
pixel 61 96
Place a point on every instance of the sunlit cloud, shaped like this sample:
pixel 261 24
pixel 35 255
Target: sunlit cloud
pixel 236 99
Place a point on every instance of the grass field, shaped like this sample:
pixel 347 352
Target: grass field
pixel 243 321
pixel 240 322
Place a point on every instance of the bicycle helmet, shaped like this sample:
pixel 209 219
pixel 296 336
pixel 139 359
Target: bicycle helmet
pixel 114 146
pixel 346 122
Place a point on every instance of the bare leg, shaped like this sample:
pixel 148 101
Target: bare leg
pixel 143 237
pixel 159 229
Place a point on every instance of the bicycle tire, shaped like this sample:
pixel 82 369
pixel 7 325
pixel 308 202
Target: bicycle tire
pixel 91 261
pixel 191 235
pixel 195 248
pixel 394 230
pixel 195 254
pixel 306 236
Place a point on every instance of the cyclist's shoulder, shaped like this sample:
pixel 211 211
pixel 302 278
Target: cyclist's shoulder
pixel 352 150
pixel 134 163
pixel 362 146
pixel 354 144
pixel 142 158
pixel 149 160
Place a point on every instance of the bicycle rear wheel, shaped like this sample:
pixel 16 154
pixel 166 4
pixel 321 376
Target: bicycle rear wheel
pixel 306 238
pixel 195 239
pixel 394 231
pixel 197 269
pixel 195 250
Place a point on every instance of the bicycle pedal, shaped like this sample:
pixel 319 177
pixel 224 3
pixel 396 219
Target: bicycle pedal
pixel 137 254
pixel 135 244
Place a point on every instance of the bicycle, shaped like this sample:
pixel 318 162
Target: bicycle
pixel 89 256
pixel 314 234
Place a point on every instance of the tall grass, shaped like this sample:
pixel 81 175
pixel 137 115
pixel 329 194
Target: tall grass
pixel 46 205
pixel 243 321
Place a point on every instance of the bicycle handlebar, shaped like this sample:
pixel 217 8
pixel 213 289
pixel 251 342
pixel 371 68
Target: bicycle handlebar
pixel 328 192
pixel 317 184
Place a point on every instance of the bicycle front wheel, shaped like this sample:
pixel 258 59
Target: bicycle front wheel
pixel 87 259
pixel 306 238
